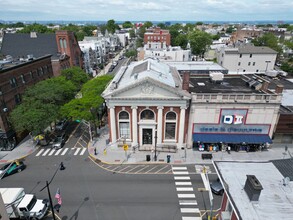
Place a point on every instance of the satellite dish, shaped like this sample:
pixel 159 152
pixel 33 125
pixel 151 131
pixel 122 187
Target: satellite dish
pixel 286 181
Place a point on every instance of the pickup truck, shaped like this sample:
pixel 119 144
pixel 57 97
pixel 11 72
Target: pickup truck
pixel 20 205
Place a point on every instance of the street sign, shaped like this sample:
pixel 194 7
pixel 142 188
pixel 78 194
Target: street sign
pixel 125 147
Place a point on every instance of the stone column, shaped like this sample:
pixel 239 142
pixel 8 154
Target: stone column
pixel 160 125
pixel 113 124
pixel 181 126
pixel 134 126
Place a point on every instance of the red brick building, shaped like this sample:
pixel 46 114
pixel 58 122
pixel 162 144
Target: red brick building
pixel 157 38
pixel 15 77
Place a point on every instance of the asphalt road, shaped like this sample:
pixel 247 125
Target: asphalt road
pixel 90 191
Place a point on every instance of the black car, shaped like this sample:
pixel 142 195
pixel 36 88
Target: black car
pixel 59 141
pixel 217 187
pixel 61 125
pixel 12 168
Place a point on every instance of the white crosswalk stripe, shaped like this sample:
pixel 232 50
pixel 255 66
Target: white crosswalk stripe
pixel 187 202
pixel 186 196
pixel 184 189
pixel 82 152
pixel 179 168
pixel 39 153
pixel 181 177
pixel 46 152
pixel 180 172
pixel 191 218
pixel 62 151
pixel 183 183
pixel 189 210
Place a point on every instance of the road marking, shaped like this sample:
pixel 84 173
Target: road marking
pixel 38 154
pixel 141 169
pixel 184 189
pixel 179 168
pixel 151 169
pixel 181 177
pixel 187 202
pixel 52 152
pixel 45 153
pixel 64 152
pixel 162 168
pixel 58 152
pixel 183 183
pixel 180 173
pixel 124 168
pixel 191 218
pixel 205 181
pixel 189 210
pixel 77 150
pixel 186 196
pixel 82 152
pixel 132 168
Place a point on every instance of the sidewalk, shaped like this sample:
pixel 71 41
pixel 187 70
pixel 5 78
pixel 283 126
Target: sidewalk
pixel 112 154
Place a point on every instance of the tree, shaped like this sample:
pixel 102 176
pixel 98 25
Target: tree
pixel 91 98
pixel 230 30
pixel 76 75
pixel 127 24
pixel 287 67
pixel 162 25
pixel 88 30
pixel 269 40
pixel 39 28
pixel 148 24
pixel 199 42
pixel 132 33
pixel 131 53
pixel 112 26
pixel 181 40
pixel 199 23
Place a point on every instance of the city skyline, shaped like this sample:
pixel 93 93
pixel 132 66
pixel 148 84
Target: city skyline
pixel 160 10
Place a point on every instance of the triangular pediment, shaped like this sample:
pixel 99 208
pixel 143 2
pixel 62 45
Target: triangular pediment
pixel 148 88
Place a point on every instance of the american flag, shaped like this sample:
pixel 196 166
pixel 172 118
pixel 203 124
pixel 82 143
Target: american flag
pixel 58 197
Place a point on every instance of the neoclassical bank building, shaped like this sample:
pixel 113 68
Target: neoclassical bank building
pixel 148 106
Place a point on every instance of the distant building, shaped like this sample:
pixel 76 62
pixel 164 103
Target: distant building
pixel 156 38
pixel 15 78
pixel 62 46
pixel 247 59
pixel 245 34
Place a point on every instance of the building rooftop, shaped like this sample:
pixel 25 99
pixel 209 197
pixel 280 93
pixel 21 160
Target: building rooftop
pixel 250 49
pixel 276 198
pixel 230 84
pixel 196 66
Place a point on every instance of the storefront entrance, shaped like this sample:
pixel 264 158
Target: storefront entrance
pixel 147 136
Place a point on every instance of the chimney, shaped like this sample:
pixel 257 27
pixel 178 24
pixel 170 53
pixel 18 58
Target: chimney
pixel 265 86
pixel 185 83
pixel 279 89
pixel 252 187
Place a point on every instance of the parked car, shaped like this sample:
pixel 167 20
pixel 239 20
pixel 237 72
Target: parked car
pixel 61 125
pixel 12 168
pixel 217 187
pixel 59 141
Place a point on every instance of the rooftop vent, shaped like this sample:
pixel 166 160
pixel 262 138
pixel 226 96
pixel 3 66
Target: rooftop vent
pixel 216 76
pixel 33 34
pixel 252 187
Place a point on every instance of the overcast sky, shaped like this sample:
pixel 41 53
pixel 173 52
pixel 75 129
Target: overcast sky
pixel 141 10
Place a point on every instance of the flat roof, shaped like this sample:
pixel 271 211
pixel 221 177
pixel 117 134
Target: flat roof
pixel 195 65
pixel 276 199
pixel 230 84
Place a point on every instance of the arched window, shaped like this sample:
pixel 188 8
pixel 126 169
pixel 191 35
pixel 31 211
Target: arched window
pixel 124 125
pixel 61 42
pixel 170 126
pixel 147 115
pixel 64 43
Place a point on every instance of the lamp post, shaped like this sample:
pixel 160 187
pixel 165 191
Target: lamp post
pixel 155 158
pixel 60 167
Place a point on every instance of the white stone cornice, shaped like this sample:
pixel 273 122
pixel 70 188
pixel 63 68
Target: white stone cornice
pixel 134 107
pixel 160 107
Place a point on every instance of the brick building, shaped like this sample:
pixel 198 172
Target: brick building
pixel 15 77
pixel 156 38
pixel 62 45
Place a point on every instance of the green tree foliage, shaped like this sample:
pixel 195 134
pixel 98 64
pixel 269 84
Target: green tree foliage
pixel 230 30
pixel 199 23
pixel 288 26
pixel 139 42
pixel 132 33
pixel 112 26
pixel 127 24
pixel 91 98
pixel 269 40
pixel 199 42
pixel 39 28
pixel 148 24
pixel 188 27
pixel 289 44
pixel 162 26
pixel 131 53
pixel 76 75
pixel 88 30
pixel 181 40
pixel 174 32
pixel 287 67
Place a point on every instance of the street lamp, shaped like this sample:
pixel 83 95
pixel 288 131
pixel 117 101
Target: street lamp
pixel 155 158
pixel 60 167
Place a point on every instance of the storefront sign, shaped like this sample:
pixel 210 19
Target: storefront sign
pixel 233 119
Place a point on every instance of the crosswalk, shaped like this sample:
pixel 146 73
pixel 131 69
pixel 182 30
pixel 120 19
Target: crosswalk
pixel 185 192
pixel 52 152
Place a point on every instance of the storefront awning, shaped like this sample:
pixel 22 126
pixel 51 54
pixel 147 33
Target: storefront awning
pixel 232 138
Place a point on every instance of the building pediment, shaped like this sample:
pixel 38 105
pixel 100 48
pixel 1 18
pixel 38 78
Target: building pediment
pixel 148 89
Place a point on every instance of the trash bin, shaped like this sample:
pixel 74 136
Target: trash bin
pixel 148 157
pixel 168 158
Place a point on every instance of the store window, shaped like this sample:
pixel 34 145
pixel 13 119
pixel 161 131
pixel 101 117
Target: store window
pixel 147 115
pixel 170 126
pixel 124 125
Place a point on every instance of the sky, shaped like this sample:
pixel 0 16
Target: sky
pixel 141 10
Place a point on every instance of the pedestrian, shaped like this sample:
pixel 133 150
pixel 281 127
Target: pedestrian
pixel 229 149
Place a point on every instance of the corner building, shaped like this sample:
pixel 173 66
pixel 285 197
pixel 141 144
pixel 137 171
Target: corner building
pixel 148 106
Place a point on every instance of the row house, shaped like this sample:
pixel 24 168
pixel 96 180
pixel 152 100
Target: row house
pixel 157 38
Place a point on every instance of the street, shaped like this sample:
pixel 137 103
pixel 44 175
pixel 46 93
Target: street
pixel 92 190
